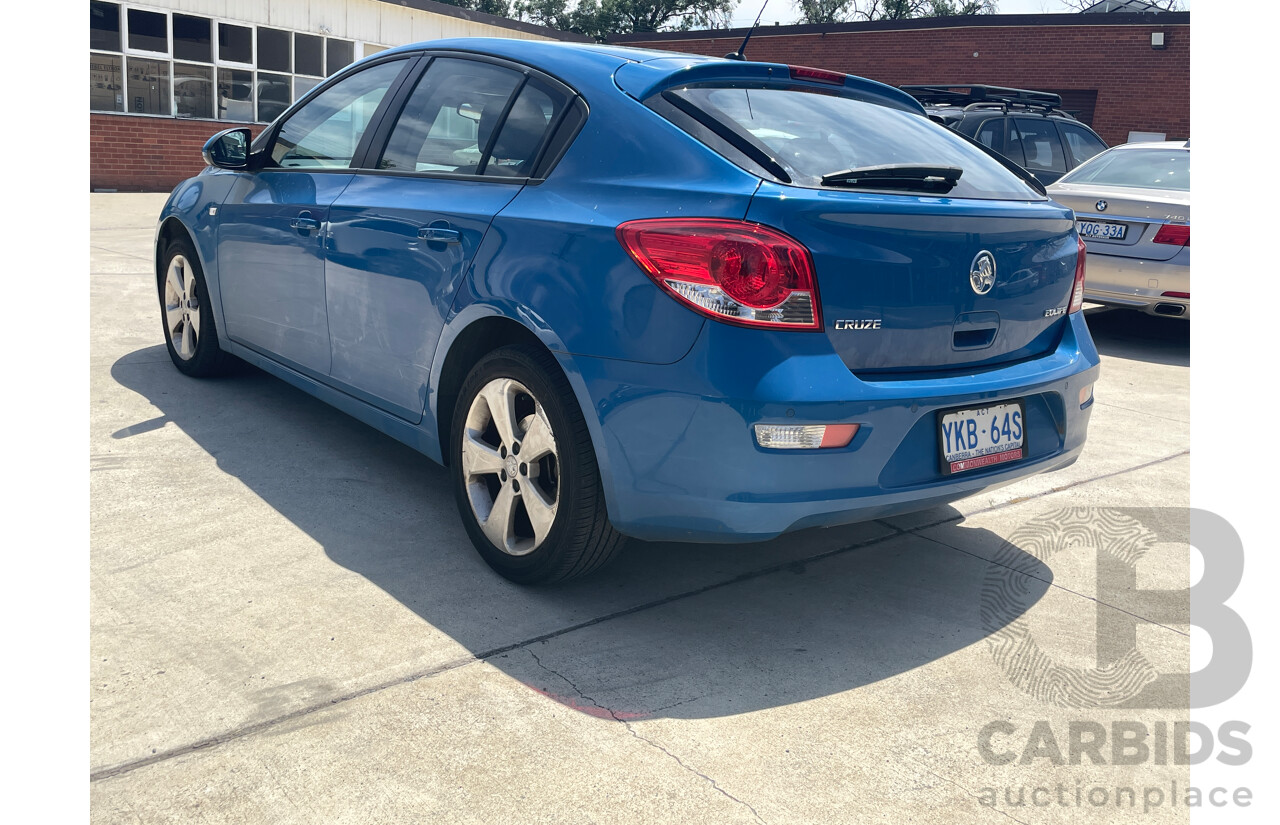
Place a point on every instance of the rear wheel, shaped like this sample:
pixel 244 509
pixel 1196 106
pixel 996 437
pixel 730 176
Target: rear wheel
pixel 189 329
pixel 525 475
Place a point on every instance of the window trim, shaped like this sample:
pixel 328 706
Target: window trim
pixel 126 49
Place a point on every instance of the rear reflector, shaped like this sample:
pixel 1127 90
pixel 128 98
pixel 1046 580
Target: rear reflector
pixel 1174 234
pixel 818 75
pixel 1186 295
pixel 734 271
pixel 805 437
pixel 1086 395
pixel 1077 288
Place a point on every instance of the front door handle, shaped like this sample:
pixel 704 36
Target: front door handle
pixel 305 221
pixel 437 234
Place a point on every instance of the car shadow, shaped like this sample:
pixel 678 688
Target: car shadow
pixel 807 615
pixel 1125 333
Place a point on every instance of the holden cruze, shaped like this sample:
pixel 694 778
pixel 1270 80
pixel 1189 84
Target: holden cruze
pixel 636 293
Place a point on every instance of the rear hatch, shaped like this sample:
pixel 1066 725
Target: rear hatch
pixel 898 212
pixel 894 275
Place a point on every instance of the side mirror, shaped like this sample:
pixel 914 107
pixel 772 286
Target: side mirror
pixel 228 149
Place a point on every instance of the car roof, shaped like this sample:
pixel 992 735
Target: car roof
pixel 594 66
pixel 1155 144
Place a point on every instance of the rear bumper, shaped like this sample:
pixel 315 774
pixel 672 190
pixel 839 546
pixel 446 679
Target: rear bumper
pixel 1139 284
pixel 679 460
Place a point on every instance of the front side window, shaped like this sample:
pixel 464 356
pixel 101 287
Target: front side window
pixel 325 132
pixel 1040 145
pixel 450 118
pixel 813 135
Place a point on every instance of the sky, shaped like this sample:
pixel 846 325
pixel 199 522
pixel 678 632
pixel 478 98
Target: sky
pixel 784 11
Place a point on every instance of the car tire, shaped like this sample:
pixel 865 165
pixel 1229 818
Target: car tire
pixel 190 333
pixel 542 519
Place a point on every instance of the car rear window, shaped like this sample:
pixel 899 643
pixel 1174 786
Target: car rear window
pixel 1143 168
pixel 814 134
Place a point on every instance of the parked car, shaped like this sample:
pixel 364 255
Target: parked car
pixel 622 292
pixel 1133 210
pixel 1030 128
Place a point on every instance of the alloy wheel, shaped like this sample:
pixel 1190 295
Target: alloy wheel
pixel 181 308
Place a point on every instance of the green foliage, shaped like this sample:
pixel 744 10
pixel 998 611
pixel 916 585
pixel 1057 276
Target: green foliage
pixel 842 11
pixel 600 18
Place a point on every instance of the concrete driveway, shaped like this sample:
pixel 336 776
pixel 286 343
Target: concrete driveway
pixel 289 625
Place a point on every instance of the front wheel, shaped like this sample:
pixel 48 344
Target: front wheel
pixel 525 475
pixel 189 330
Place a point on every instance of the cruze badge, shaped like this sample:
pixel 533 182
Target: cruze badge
pixel 865 323
pixel 982 273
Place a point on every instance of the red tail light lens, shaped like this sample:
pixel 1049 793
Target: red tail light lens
pixel 819 75
pixel 734 271
pixel 1077 289
pixel 1174 235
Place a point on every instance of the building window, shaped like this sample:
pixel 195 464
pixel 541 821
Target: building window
pixel 274 95
pixel 235 95
pixel 192 38
pixel 147 92
pixel 193 90
pixel 235 44
pixel 104 27
pixel 177 65
pixel 148 31
pixel 106 94
pixel 338 54
pixel 273 50
pixel 308 55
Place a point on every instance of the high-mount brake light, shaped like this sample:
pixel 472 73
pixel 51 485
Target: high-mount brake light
pixel 817 75
pixel 1174 234
pixel 1077 288
pixel 734 271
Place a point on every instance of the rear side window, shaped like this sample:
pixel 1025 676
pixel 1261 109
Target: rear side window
pixel 1081 143
pixel 812 135
pixel 1145 168
pixel 991 134
pixel 472 118
pixel 1040 145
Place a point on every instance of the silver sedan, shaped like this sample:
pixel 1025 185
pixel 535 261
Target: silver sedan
pixel 1133 210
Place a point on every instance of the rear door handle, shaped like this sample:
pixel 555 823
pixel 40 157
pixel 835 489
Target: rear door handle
pixel 438 234
pixel 305 221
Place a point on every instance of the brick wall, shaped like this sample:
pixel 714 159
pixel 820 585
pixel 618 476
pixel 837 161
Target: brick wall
pixel 132 153
pixel 1139 88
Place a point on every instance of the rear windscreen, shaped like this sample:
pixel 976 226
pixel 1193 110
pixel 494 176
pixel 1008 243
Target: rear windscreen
pixel 812 135
pixel 1144 168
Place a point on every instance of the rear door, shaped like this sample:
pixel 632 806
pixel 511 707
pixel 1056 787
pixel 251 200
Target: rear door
pixel 1036 140
pixel 271 226
pixel 404 231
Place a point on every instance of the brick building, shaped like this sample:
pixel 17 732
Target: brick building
pixel 1108 68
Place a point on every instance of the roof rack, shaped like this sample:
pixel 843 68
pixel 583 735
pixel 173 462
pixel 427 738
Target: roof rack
pixel 964 95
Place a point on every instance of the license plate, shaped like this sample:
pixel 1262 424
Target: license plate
pixel 982 437
pixel 1100 229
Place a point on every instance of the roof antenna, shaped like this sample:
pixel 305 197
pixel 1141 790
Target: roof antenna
pixel 740 54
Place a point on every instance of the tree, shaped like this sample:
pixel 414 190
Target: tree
pixel 843 11
pixel 1163 5
pixel 600 18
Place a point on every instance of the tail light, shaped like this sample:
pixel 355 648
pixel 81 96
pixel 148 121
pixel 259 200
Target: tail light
pixel 1077 289
pixel 1174 234
pixel 1186 295
pixel 733 271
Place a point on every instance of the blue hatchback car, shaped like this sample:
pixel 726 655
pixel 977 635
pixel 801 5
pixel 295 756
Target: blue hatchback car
pixel 635 293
